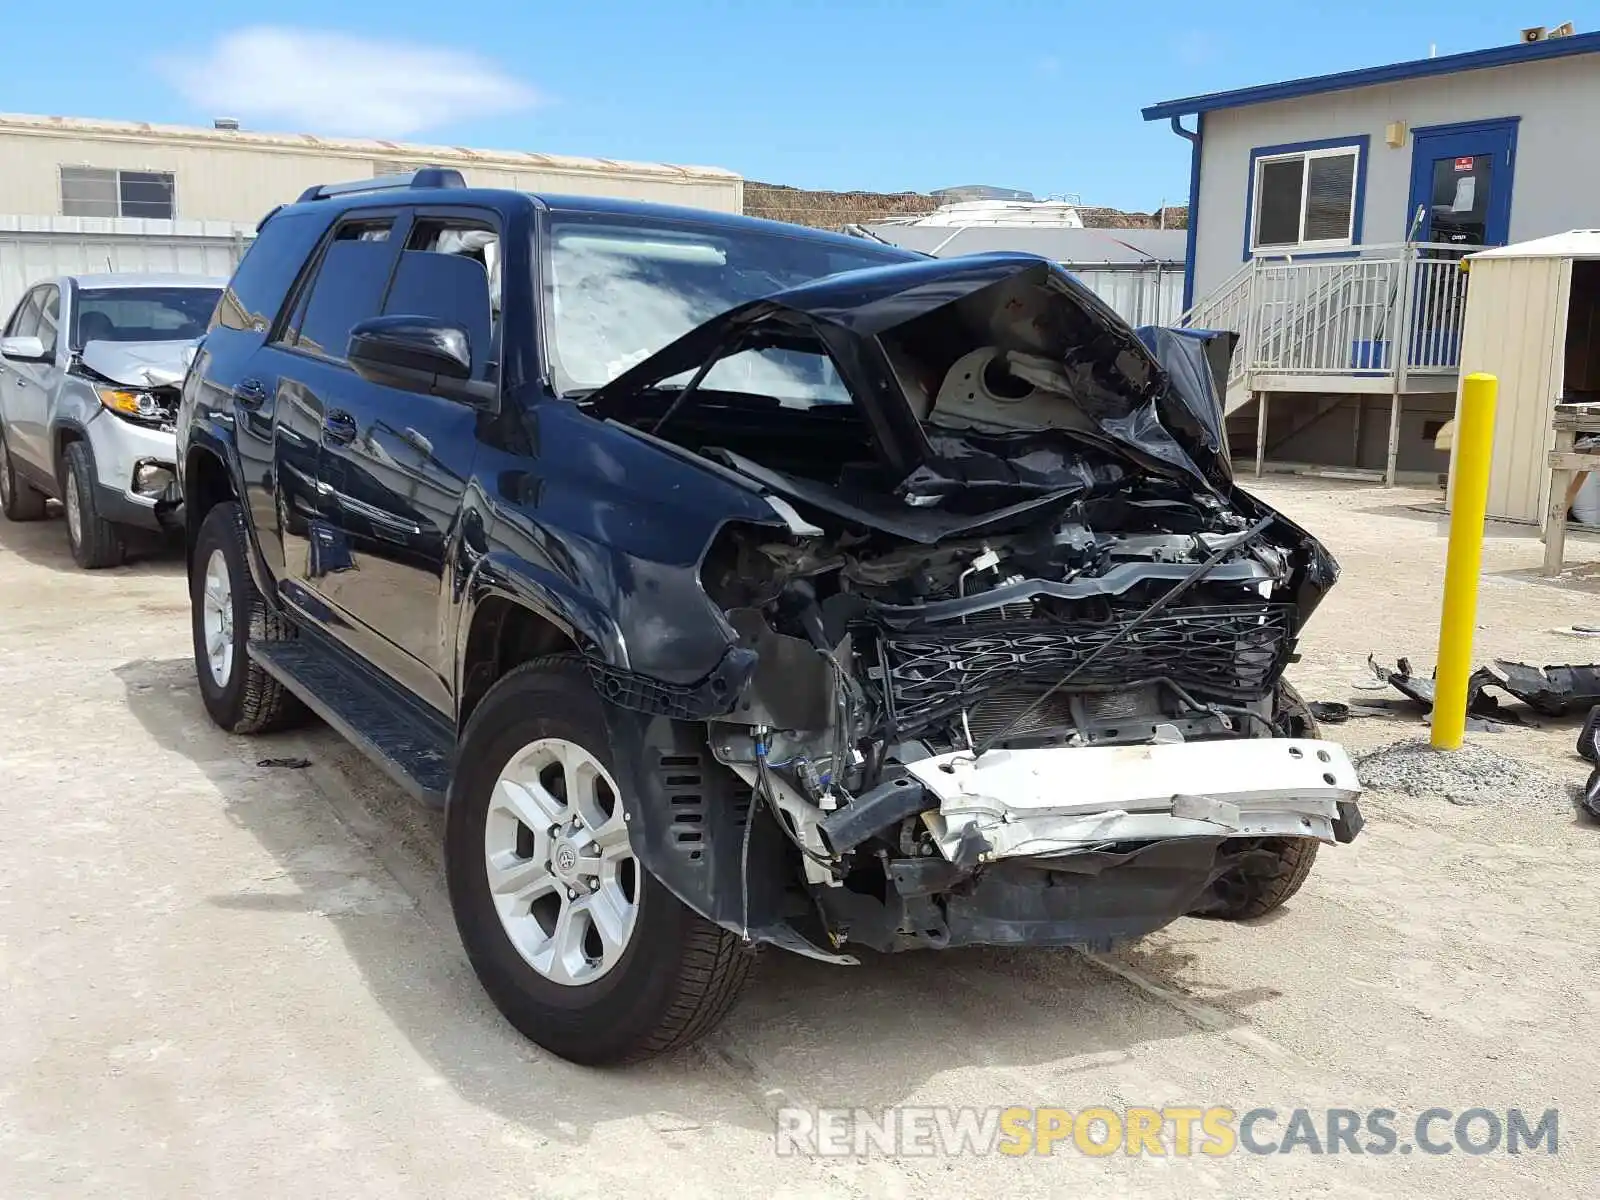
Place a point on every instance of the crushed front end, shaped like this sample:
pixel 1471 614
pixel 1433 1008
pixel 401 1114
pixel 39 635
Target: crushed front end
pixel 1018 676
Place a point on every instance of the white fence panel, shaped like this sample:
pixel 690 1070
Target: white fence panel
pixel 1141 296
pixel 37 248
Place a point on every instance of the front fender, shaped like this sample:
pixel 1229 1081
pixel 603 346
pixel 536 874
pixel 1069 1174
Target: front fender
pixel 687 815
pixel 500 574
pixel 208 438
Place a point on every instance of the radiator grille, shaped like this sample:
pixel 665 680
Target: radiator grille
pixel 1230 652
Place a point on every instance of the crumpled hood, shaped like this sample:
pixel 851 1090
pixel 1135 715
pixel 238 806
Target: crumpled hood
pixel 1148 393
pixel 139 364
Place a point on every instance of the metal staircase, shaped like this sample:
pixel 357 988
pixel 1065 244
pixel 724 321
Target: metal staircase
pixel 1382 319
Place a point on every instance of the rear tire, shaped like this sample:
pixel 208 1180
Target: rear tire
pixel 1275 868
pixel 96 542
pixel 18 500
pixel 227 613
pixel 669 979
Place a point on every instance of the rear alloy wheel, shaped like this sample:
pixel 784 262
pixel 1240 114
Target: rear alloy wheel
pixel 18 501
pixel 577 944
pixel 227 613
pixel 95 541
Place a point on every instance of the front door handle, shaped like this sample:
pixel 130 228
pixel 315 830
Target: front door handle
pixel 251 393
pixel 339 426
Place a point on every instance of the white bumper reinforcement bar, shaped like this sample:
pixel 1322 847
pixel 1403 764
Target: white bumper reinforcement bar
pixel 1064 799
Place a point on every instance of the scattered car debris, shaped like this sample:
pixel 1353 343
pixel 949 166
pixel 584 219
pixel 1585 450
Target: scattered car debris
pixel 1483 711
pixel 1589 737
pixel 293 764
pixel 1554 691
pixel 1589 749
pixel 1330 712
pixel 1471 776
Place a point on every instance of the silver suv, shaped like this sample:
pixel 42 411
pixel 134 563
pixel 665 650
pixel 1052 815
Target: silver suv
pixel 90 367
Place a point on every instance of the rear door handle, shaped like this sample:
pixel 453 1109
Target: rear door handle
pixel 251 393
pixel 339 426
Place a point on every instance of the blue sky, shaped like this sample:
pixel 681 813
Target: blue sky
pixel 878 94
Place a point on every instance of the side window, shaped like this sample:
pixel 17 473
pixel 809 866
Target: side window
pixel 348 287
pixel 50 319
pixel 25 321
pixel 450 271
pixel 267 271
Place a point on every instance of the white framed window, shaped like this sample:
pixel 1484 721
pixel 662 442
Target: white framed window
pixel 107 192
pixel 1305 199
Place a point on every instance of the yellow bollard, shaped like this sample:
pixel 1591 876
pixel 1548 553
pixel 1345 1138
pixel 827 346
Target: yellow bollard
pixel 1474 436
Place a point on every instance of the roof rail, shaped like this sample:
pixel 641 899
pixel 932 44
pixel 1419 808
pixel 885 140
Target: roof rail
pixel 425 177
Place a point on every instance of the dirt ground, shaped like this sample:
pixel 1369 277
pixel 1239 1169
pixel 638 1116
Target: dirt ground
pixel 222 978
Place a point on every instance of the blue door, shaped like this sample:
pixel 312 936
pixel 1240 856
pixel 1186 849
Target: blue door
pixel 1461 183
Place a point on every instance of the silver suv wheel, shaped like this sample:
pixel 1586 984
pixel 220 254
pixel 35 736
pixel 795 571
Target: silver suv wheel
pixel 216 614
pixel 74 507
pixel 560 866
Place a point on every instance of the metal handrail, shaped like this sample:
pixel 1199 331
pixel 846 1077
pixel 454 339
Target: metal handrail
pixel 1380 309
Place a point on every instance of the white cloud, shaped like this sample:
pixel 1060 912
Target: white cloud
pixel 1195 47
pixel 320 82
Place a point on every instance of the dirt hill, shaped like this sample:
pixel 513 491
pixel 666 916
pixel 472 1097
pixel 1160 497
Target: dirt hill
pixel 830 210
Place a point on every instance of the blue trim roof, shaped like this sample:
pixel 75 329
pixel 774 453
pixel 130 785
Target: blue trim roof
pixel 1449 64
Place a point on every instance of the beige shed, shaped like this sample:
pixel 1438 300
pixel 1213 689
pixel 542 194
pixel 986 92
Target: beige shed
pixel 1533 320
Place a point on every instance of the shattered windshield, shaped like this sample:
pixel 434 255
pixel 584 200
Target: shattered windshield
pixel 620 289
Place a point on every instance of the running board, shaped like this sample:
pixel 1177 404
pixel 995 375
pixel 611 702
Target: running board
pixel 414 745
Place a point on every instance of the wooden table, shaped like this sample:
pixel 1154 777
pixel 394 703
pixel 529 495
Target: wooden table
pixel 1569 421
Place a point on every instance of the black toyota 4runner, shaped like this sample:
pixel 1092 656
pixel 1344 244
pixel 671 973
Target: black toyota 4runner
pixel 732 583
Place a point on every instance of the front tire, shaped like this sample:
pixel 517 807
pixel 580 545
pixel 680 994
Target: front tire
pixel 18 501
pixel 96 542
pixel 227 613
pixel 1271 870
pixel 579 946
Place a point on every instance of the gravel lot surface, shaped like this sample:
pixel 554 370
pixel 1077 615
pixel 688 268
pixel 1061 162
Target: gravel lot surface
pixel 222 978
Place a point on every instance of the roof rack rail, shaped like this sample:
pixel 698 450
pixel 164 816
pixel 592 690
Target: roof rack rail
pixel 425 177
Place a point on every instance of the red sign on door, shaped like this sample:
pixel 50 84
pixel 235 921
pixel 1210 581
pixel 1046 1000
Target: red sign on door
pixel 1464 164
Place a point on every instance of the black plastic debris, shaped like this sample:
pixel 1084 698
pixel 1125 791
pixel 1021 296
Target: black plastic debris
pixel 1330 712
pixel 1589 748
pixel 293 764
pixel 1553 691
pixel 1589 737
pixel 1484 712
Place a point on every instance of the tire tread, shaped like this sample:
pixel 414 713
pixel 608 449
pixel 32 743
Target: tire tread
pixel 101 544
pixel 265 705
pixel 25 503
pixel 713 966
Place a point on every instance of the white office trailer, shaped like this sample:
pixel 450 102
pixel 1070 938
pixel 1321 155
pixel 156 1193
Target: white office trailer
pixel 80 195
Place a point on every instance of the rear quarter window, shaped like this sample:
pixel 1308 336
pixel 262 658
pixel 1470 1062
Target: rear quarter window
pixel 267 272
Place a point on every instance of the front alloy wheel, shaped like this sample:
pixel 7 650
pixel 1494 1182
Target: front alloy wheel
pixel 216 615
pixel 561 869
pixel 576 942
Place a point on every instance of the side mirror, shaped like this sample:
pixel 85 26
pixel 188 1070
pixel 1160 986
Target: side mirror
pixel 23 349
pixel 417 353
